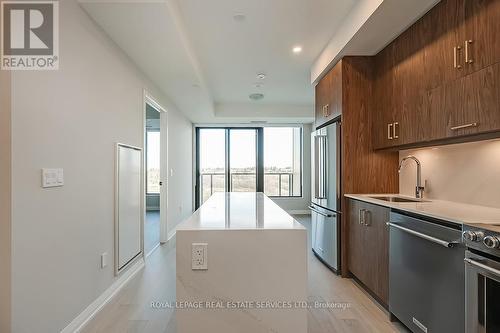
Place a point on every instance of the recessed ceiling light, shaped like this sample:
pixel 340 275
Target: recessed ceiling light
pixel 297 49
pixel 256 97
pixel 258 85
pixel 261 76
pixel 239 17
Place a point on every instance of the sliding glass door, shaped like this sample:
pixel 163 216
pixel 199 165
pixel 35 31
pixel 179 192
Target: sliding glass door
pixel 242 159
pixel 211 162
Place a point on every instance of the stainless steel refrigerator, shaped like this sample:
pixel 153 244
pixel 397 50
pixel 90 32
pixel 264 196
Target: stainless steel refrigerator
pixel 325 205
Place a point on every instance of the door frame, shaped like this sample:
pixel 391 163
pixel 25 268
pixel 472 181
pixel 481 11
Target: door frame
pixel 152 101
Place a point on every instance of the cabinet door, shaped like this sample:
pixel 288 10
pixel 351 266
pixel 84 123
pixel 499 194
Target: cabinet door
pixel 369 246
pixel 482 29
pixel 440 31
pixel 335 95
pixel 467 106
pixel 479 96
pixel 356 248
pixel 319 101
pixel 329 96
pixel 383 95
pixel 410 116
pixel 376 255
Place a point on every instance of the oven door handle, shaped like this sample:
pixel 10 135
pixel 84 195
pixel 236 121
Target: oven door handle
pixel 483 266
pixel 424 236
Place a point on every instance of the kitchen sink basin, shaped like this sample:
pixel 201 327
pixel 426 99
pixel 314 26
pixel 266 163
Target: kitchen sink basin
pixel 398 199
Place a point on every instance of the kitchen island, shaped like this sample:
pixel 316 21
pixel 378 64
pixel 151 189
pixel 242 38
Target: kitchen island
pixel 254 276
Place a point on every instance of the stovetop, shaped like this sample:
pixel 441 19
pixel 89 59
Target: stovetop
pixel 482 239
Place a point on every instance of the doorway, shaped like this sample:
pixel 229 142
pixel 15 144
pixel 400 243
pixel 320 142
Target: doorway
pixel 155 143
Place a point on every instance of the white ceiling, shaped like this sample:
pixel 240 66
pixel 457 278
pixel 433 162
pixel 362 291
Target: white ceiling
pixel 207 63
pixel 233 53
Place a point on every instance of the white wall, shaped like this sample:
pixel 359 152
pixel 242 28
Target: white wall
pixel 468 173
pixel 5 201
pixel 295 205
pixel 72 118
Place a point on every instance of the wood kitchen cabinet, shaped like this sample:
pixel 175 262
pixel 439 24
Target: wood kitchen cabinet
pixel 480 34
pixel 328 104
pixel 467 106
pixel 439 82
pixel 368 249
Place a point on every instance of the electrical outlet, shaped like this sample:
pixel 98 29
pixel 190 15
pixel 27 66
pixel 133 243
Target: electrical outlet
pixel 104 259
pixel 199 256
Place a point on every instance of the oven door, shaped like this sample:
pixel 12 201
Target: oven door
pixel 482 294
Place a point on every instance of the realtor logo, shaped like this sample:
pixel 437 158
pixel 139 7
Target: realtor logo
pixel 30 35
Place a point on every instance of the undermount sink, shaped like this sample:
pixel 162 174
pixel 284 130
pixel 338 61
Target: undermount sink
pixel 398 199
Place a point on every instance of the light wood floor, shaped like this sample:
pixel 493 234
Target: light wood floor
pixel 131 311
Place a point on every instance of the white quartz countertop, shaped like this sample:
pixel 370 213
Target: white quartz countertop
pixel 240 211
pixel 445 210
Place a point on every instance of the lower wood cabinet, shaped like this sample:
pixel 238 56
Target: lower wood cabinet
pixel 368 248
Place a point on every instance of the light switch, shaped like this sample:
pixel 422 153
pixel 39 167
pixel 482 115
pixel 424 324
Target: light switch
pixel 52 178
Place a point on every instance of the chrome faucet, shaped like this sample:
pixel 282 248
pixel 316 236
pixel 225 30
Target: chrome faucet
pixel 419 189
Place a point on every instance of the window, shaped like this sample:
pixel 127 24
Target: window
pixel 255 159
pixel 283 161
pixel 153 162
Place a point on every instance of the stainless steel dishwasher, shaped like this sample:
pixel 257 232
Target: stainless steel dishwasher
pixel 426 274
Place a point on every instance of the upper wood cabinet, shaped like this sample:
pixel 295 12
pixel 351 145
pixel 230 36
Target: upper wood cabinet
pixel 439 79
pixel 480 34
pixel 328 103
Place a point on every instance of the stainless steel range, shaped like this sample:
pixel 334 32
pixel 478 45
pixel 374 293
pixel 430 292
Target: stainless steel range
pixel 482 264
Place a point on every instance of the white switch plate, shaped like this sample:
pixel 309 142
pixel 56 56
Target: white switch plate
pixel 104 259
pixel 199 257
pixel 52 178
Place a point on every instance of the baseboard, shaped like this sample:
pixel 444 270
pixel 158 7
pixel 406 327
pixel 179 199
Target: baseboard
pixel 299 212
pixel 84 318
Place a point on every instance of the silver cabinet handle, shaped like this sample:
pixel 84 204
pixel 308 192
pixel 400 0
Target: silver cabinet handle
pixel 361 217
pixel 321 213
pixel 483 266
pixel 455 57
pixel 424 236
pixel 467 59
pixel 394 130
pixel 366 212
pixel 454 128
pixel 389 131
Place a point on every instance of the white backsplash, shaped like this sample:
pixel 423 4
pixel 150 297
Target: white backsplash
pixel 468 173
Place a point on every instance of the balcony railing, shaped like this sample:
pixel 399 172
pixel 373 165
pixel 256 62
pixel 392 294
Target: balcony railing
pixel 275 183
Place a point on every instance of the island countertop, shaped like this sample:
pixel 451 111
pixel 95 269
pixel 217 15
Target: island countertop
pixel 239 211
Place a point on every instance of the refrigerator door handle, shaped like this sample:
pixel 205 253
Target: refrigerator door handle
pixel 320 161
pixel 320 213
pixel 316 166
pixel 324 168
